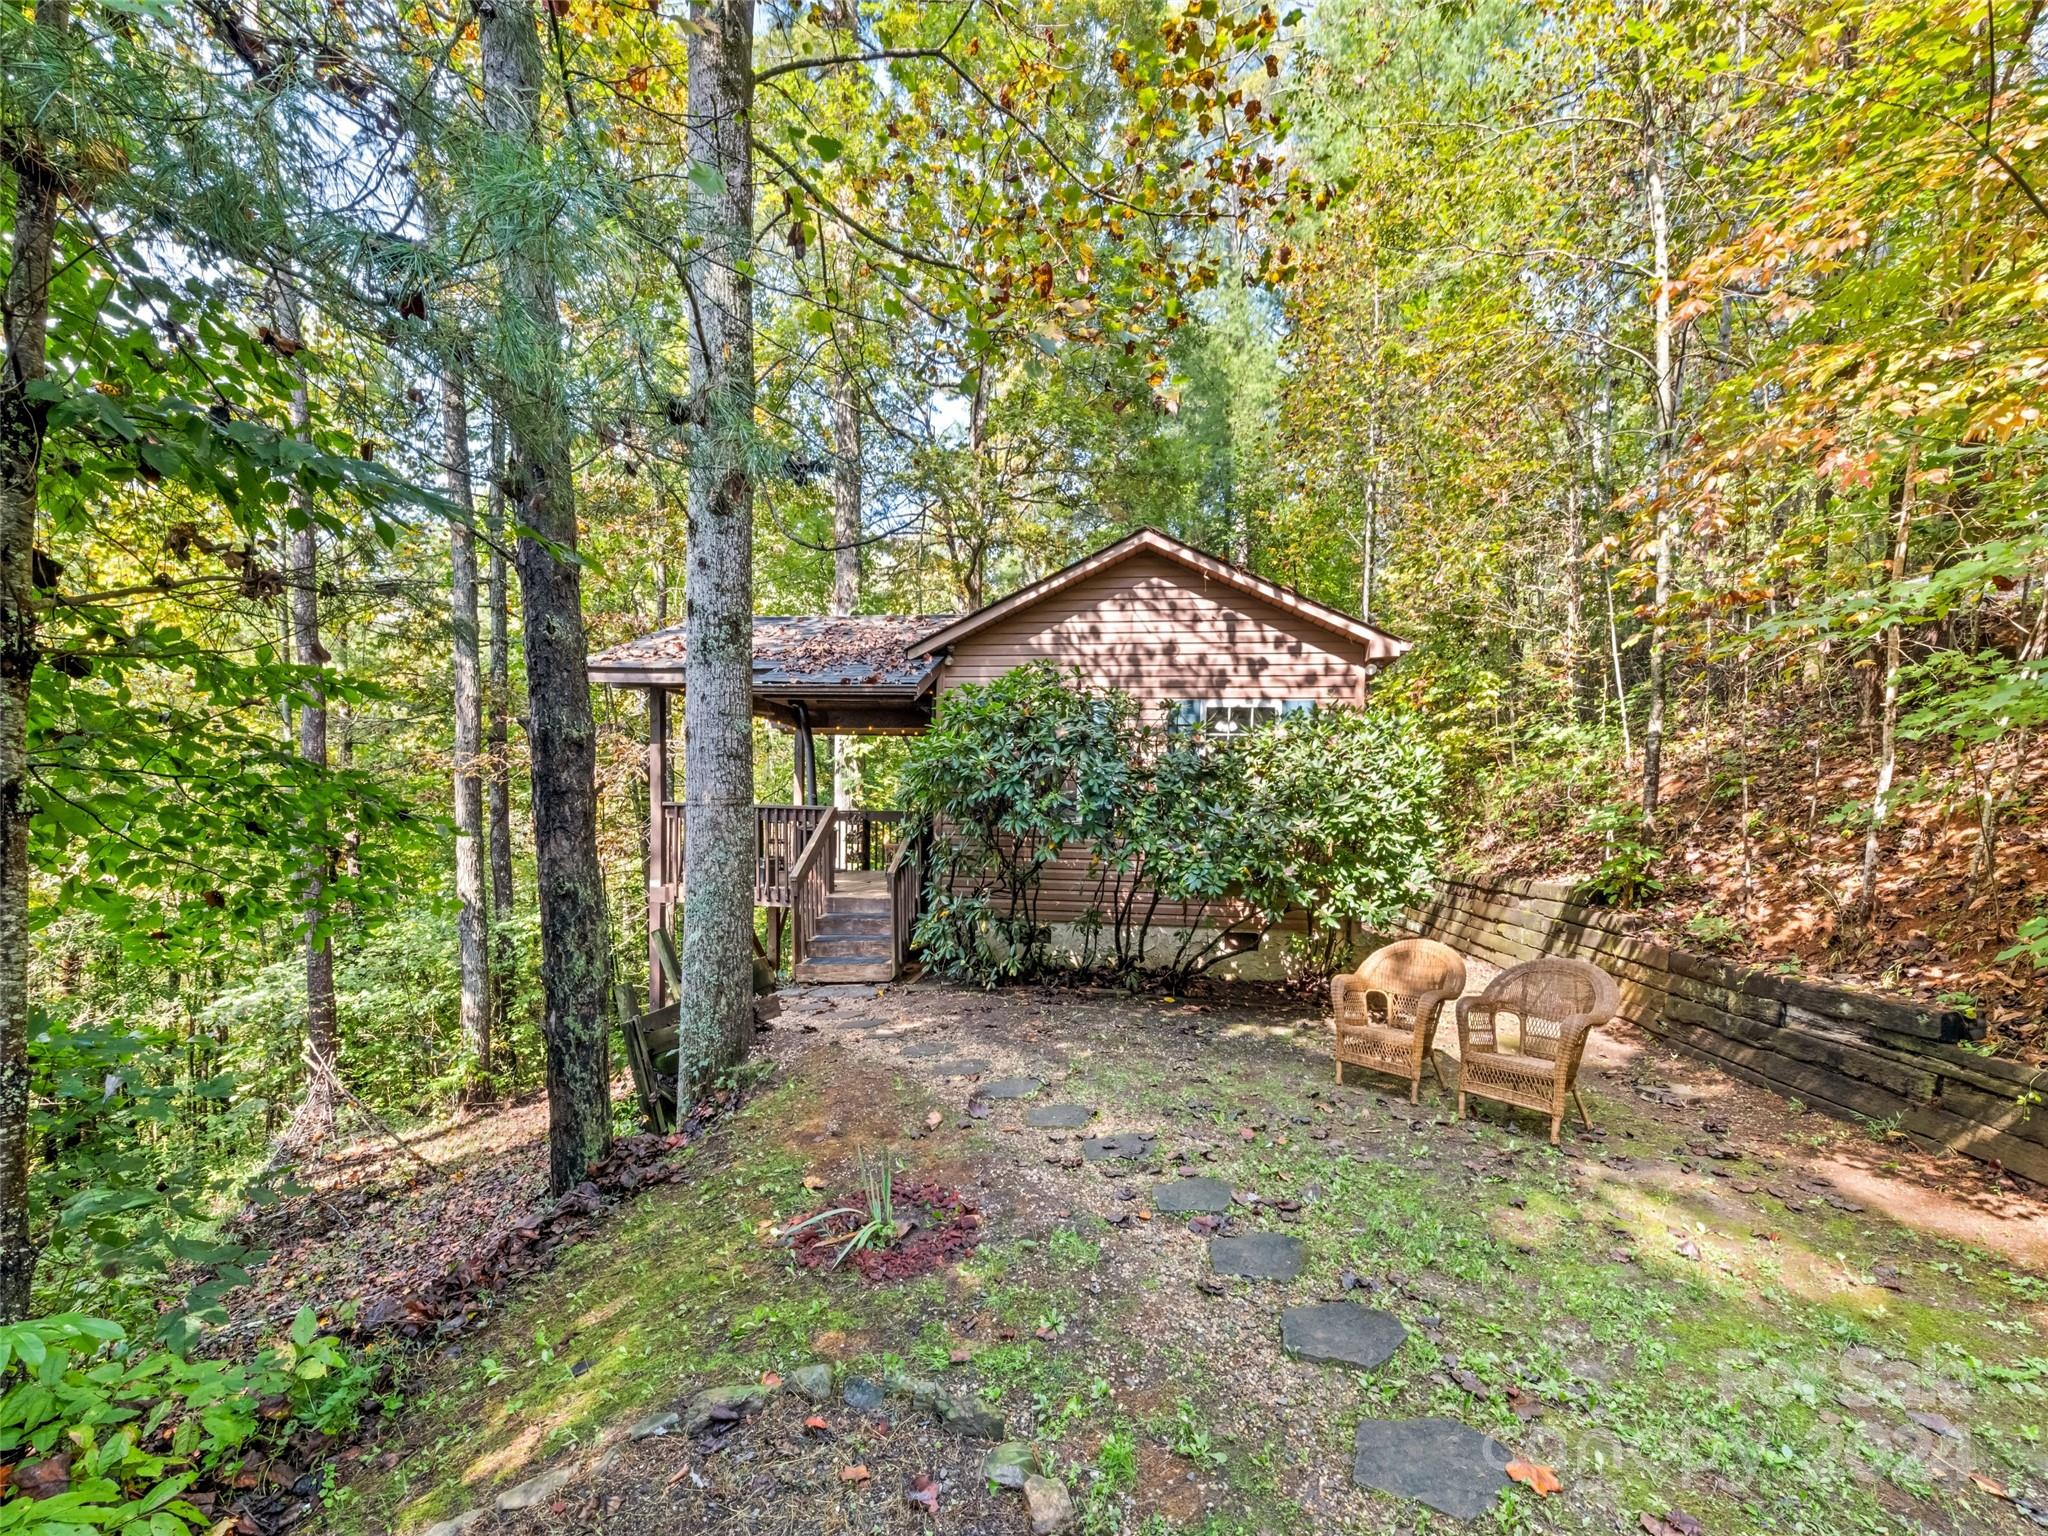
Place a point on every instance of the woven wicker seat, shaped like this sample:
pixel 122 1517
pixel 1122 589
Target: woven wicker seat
pixel 1386 1010
pixel 1556 1004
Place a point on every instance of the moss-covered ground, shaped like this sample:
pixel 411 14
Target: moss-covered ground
pixel 1680 1315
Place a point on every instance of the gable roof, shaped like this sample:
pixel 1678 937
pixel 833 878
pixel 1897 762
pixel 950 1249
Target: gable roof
pixel 1379 645
pixel 868 652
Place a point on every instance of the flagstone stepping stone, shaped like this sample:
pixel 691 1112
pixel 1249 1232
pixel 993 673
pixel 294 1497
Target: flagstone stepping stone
pixel 918 1049
pixel 1058 1117
pixel 1341 1333
pixel 965 1066
pixel 1009 1088
pixel 1131 1144
pixel 1257 1256
pixel 1456 1471
pixel 1188 1196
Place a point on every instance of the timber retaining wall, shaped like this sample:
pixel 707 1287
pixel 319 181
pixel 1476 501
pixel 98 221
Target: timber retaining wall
pixel 1850 1054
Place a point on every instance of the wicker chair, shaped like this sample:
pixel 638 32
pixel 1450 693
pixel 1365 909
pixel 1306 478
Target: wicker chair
pixel 1386 1011
pixel 1556 1003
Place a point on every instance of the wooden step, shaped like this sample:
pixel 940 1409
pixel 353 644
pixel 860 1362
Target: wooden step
pixel 817 971
pixel 839 904
pixel 825 945
pixel 863 924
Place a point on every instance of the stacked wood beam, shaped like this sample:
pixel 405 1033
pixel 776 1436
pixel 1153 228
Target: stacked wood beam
pixel 1846 1053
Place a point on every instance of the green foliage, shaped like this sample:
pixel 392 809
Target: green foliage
pixel 146 1132
pixel 1628 859
pixel 1010 772
pixel 1715 930
pixel 1333 812
pixel 142 1425
pixel 397 993
pixel 1340 818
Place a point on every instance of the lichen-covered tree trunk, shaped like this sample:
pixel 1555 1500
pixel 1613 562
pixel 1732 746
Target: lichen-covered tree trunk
pixel 313 1121
pixel 718 761
pixel 473 960
pixel 575 949
pixel 36 189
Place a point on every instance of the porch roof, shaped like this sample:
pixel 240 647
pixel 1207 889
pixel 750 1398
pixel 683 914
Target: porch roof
pixel 855 671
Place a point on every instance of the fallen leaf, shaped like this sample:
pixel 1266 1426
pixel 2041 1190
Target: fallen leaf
pixel 924 1492
pixel 813 1182
pixel 853 1474
pixel 817 1421
pixel 1674 1522
pixel 1991 1485
pixel 934 1120
pixel 770 1379
pixel 1536 1475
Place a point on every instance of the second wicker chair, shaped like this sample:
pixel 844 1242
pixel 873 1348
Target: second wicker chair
pixel 1555 1003
pixel 1387 1009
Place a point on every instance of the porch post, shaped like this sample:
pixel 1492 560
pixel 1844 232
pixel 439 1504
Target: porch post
pixel 806 758
pixel 657 836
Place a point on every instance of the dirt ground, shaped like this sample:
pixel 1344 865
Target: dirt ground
pixel 1709 1308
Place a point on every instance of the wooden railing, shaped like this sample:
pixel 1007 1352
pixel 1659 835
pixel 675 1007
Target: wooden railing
pixel 869 839
pixel 781 834
pixel 671 871
pixel 810 883
pixel 905 890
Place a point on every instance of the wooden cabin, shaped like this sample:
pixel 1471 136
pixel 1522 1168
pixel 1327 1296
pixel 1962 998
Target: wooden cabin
pixel 1192 637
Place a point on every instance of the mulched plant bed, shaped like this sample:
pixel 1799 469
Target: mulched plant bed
pixel 944 1228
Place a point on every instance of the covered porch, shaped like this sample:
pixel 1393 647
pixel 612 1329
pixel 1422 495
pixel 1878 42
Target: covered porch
pixel 843 883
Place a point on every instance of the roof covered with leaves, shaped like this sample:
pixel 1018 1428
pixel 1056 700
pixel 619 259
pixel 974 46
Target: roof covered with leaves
pixel 801 652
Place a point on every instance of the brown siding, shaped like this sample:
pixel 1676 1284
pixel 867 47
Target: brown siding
pixel 1070 886
pixel 1159 631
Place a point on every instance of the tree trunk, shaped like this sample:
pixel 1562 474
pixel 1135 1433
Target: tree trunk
pixel 36 190
pixel 1575 600
pixel 1888 718
pixel 574 932
pixel 846 551
pixel 498 790
pixel 1370 554
pixel 716 1016
pixel 471 940
pixel 1666 390
pixel 314 1120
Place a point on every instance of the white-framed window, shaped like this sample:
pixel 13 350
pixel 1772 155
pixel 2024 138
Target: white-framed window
pixel 1227 717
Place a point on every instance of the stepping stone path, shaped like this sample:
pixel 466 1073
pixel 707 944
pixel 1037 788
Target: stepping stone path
pixel 1454 1470
pixel 1187 1196
pixel 921 1048
pixel 1341 1333
pixel 1009 1088
pixel 965 1066
pixel 1131 1144
pixel 1256 1256
pixel 1058 1117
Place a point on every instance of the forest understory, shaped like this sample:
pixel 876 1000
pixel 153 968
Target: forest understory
pixel 1758 855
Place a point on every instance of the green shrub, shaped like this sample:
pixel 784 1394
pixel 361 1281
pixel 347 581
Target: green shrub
pixel 140 1426
pixel 1012 771
pixel 1333 812
pixel 1340 818
pixel 1628 860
